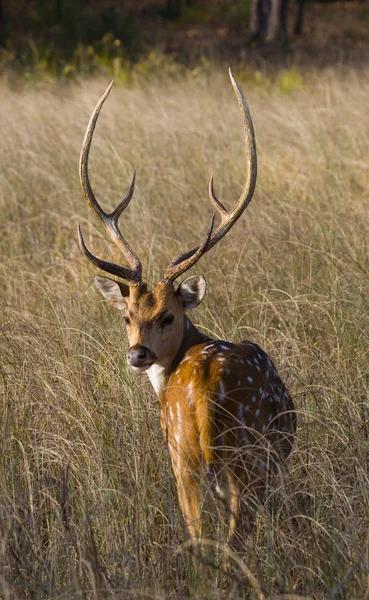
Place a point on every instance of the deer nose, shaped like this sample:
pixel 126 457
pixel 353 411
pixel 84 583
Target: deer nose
pixel 140 356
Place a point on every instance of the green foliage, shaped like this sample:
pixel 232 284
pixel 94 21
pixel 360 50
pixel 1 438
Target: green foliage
pixel 290 81
pixel 286 82
pixel 67 42
pixel 231 12
pixel 106 56
pixel 192 15
pixel 245 74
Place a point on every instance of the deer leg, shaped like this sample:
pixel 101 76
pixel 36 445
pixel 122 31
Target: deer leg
pixel 234 506
pixel 241 517
pixel 188 489
pixel 190 500
pixel 243 498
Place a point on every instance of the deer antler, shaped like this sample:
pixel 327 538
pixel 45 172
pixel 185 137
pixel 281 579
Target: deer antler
pixel 228 219
pixel 109 220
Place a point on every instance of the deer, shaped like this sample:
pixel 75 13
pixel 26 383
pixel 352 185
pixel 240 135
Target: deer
pixel 226 415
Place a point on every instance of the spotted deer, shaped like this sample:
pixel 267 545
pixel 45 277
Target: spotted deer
pixel 225 413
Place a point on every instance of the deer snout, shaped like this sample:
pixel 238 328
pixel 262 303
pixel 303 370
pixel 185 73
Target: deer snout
pixel 140 356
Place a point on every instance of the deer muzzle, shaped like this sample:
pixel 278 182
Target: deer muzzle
pixel 141 357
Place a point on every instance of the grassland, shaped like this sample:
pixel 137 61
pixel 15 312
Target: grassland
pixel 87 499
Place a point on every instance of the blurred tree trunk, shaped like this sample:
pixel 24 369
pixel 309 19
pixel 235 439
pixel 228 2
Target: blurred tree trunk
pixel 173 9
pixel 269 19
pixel 259 18
pixel 3 24
pixel 299 17
pixel 283 19
pixel 59 9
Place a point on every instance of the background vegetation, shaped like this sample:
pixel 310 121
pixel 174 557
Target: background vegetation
pixel 88 506
pixel 74 38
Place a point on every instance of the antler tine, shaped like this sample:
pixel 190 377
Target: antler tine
pixel 218 205
pixel 109 267
pixel 228 219
pixel 108 220
pixel 126 200
pixel 186 261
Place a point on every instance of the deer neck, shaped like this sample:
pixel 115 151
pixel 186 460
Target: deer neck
pixel 191 337
pixel 160 373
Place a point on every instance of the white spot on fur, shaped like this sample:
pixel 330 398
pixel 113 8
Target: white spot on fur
pixel 249 379
pixel 220 492
pixel 257 412
pixel 253 399
pixel 239 382
pixel 190 397
pixel 179 416
pixel 241 416
pixel 221 392
pixel 177 438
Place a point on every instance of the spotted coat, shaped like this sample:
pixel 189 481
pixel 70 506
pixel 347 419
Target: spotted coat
pixel 227 413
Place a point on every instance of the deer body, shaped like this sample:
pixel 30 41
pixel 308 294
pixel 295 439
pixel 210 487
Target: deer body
pixel 222 410
pixel 225 413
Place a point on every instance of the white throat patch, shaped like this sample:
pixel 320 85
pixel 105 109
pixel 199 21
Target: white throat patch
pixel 156 375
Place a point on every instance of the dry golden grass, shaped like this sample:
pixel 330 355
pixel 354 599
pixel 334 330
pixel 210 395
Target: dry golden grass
pixel 87 499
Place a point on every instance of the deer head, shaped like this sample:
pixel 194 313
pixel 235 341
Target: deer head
pixel 156 320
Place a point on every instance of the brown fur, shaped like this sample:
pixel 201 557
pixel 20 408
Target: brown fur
pixel 224 410
pixel 143 310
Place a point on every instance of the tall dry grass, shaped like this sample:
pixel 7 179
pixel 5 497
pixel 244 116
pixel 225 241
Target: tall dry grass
pixel 87 500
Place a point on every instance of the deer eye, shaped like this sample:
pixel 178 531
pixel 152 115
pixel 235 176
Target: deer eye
pixel 126 320
pixel 167 321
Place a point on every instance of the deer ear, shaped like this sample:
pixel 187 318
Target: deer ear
pixel 117 294
pixel 191 291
